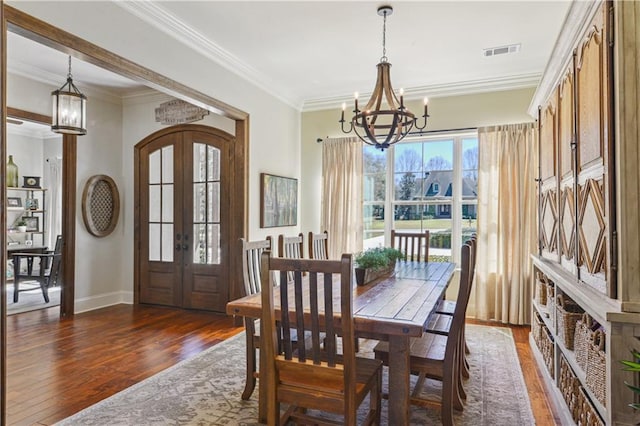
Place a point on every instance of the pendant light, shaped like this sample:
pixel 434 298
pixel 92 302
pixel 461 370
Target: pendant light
pixel 384 120
pixel 69 108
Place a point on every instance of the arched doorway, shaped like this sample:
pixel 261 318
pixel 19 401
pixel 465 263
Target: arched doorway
pixel 184 176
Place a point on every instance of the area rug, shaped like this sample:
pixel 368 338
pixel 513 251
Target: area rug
pixel 206 389
pixel 31 300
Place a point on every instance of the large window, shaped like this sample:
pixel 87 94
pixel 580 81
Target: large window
pixel 434 186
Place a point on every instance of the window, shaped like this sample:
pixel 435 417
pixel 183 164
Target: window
pixel 434 186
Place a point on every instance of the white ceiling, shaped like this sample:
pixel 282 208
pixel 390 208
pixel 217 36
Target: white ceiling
pixel 315 54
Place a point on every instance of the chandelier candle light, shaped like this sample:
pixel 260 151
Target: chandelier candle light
pixel 384 120
pixel 69 108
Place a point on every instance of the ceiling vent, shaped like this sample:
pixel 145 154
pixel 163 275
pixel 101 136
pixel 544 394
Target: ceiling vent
pixel 501 50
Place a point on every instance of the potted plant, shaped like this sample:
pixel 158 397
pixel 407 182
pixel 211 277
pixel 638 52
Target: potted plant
pixel 21 225
pixel 375 262
pixel 633 366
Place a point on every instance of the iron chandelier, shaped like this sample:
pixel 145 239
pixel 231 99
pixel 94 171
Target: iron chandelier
pixel 69 108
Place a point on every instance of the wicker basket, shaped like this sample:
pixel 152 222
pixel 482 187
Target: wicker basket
pixel 568 313
pixel 569 388
pixel 546 347
pixel 597 366
pixel 582 338
pixel 541 289
pixel 536 328
pixel 551 305
pixel 587 414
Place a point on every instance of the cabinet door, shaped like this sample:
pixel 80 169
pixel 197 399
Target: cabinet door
pixel 593 163
pixel 548 180
pixel 566 154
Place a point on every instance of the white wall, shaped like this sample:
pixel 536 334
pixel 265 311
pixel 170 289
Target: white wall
pixel 106 271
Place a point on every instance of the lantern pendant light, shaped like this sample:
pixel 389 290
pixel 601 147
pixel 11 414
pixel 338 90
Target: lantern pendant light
pixel 69 108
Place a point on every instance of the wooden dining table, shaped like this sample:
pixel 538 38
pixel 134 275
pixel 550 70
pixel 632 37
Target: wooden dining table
pixel 393 309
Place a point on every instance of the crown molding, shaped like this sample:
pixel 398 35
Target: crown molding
pixel 171 25
pixel 512 82
pixel 44 133
pixel 578 18
pixel 145 97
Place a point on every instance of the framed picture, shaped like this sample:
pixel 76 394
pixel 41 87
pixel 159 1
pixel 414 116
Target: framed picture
pixel 33 224
pixel 14 202
pixel 278 201
pixel 31 204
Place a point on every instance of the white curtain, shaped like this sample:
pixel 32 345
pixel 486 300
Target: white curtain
pixel 341 212
pixel 507 222
pixel 53 177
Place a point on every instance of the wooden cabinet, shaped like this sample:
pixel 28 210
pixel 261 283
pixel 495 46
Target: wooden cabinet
pixel 586 116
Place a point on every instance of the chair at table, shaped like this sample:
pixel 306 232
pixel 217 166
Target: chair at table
pixel 414 245
pixel 46 274
pixel 317 377
pixel 251 252
pixel 436 356
pixel 291 247
pixel 319 245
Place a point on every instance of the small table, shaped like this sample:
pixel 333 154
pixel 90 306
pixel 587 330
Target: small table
pixel 394 309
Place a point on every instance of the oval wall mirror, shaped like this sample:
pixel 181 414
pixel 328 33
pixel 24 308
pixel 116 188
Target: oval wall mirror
pixel 100 205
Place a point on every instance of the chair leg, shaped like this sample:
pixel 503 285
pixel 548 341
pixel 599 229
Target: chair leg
pixel 250 383
pixel 45 291
pixel 15 289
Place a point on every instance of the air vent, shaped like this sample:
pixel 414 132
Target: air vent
pixel 501 50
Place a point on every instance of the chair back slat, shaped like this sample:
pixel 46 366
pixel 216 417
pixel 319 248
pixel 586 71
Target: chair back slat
pixel 251 252
pixel 315 321
pixel 319 245
pixel 462 301
pixel 297 287
pixel 413 245
pixel 287 341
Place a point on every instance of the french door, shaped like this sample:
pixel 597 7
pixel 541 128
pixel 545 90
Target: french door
pixel 183 191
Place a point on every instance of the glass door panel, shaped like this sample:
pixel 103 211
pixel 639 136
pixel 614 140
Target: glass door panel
pixel 206 204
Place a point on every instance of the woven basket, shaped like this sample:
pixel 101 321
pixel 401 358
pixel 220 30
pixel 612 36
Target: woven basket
pixel 587 414
pixel 546 347
pixel 536 328
pixel 551 305
pixel 541 289
pixel 597 367
pixel 582 338
pixel 569 388
pixel 568 313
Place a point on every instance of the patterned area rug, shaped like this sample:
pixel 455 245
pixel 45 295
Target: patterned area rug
pixel 206 389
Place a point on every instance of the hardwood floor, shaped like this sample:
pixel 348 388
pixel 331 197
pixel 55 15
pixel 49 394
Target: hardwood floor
pixel 58 367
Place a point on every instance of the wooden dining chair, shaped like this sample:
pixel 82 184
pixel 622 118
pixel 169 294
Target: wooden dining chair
pixel 251 252
pixel 291 247
pixel 319 245
pixel 414 245
pixel 45 272
pixel 437 357
pixel 316 377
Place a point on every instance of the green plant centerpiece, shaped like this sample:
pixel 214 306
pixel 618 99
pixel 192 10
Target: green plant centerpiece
pixel 21 225
pixel 374 263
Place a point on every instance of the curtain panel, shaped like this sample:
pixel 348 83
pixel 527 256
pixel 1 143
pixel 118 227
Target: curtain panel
pixel 507 222
pixel 341 214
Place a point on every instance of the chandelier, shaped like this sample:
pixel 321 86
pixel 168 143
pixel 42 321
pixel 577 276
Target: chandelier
pixel 384 120
pixel 69 109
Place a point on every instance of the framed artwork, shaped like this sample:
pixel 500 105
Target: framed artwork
pixel 31 204
pixel 278 201
pixel 14 202
pixel 33 224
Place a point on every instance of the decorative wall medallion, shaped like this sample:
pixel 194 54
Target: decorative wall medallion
pixel 179 112
pixel 100 205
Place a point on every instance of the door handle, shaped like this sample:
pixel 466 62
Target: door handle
pixel 178 246
pixel 185 247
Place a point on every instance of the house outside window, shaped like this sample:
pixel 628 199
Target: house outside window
pixel 435 186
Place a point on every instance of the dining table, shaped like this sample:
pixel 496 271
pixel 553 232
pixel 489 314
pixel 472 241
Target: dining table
pixel 394 308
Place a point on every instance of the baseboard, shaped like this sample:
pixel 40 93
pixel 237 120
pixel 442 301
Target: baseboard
pixel 103 300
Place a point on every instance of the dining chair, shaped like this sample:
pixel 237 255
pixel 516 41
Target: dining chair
pixel 414 245
pixel 319 245
pixel 317 377
pixel 437 357
pixel 46 274
pixel 291 247
pixel 251 252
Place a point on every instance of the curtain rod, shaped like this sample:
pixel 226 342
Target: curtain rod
pixel 425 133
